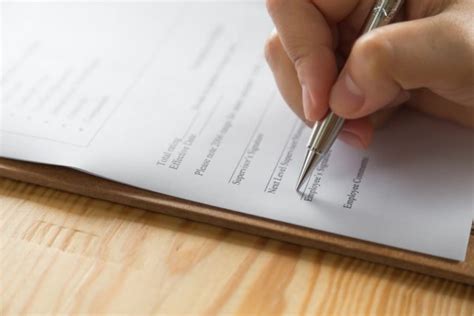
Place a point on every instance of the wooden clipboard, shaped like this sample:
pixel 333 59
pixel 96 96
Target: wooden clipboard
pixel 69 180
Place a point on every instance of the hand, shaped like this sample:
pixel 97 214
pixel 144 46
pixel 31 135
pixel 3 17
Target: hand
pixel 426 61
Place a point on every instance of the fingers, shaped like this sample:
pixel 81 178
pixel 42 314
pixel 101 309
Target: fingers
pixel 308 42
pixel 394 58
pixel 357 133
pixel 380 118
pixel 284 73
pixel 427 102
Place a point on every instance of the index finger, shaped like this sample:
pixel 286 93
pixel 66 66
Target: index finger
pixel 304 29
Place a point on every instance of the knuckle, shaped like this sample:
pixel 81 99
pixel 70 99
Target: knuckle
pixel 300 55
pixel 374 51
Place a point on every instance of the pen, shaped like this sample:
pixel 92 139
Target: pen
pixel 325 132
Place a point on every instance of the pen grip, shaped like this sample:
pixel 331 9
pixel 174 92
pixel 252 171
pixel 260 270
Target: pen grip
pixel 325 133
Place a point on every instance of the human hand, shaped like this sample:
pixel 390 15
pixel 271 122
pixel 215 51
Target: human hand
pixel 426 61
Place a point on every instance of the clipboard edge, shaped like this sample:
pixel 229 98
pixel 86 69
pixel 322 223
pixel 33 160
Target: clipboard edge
pixel 73 181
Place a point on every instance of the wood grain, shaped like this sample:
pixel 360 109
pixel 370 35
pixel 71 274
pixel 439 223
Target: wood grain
pixel 62 253
pixel 75 182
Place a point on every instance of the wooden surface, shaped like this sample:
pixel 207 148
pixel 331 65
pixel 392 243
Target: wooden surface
pixel 75 182
pixel 62 253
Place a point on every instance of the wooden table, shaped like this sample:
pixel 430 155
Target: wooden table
pixel 63 253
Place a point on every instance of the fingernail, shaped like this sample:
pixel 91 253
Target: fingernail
pixel 352 87
pixel 352 140
pixel 307 103
pixel 346 96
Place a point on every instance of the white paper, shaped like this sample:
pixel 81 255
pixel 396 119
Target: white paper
pixel 176 98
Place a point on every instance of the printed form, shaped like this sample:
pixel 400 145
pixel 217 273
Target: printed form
pixel 177 98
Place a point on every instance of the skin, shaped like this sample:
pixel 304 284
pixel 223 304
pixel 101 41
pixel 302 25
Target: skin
pixel 425 61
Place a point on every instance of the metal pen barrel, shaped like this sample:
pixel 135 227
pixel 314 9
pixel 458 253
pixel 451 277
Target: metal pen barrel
pixel 325 132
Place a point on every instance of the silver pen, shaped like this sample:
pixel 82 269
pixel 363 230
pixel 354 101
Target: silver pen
pixel 326 131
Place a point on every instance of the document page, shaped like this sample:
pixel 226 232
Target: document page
pixel 176 97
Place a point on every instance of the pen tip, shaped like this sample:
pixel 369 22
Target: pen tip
pixel 299 183
pixel 305 170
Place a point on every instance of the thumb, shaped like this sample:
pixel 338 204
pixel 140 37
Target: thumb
pixel 402 56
